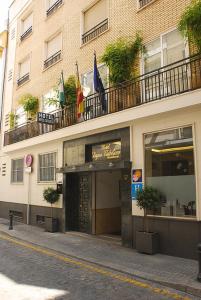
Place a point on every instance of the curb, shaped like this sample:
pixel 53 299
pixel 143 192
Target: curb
pixel 180 287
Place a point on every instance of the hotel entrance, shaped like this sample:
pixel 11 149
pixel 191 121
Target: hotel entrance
pixel 97 185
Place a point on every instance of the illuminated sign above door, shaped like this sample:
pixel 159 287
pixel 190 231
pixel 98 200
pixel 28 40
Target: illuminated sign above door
pixel 106 151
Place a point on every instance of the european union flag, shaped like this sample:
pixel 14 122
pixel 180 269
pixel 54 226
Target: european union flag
pixel 98 86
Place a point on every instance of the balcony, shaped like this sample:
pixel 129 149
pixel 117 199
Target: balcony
pixel 142 3
pixel 54 7
pixel 95 31
pixel 23 79
pixel 26 34
pixel 174 79
pixel 52 59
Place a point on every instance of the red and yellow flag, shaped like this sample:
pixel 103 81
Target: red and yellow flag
pixel 80 96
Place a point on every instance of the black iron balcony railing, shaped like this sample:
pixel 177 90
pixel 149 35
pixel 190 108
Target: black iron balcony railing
pixel 52 59
pixel 23 79
pixel 180 77
pixel 54 7
pixel 26 34
pixel 144 2
pixel 95 31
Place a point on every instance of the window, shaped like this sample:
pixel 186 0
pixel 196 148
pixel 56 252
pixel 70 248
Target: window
pixel 88 82
pixel 17 170
pixel 169 167
pixel 53 50
pixel 24 69
pixel 50 101
pixel 95 21
pixel 52 6
pixel 167 49
pixel 21 117
pixel 47 167
pixel 26 26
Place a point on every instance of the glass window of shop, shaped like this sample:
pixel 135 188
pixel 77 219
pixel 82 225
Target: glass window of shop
pixel 169 167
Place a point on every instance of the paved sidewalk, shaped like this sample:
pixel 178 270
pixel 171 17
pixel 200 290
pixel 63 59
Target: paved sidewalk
pixel 171 271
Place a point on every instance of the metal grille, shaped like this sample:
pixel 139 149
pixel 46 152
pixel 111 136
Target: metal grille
pixel 95 31
pixel 54 7
pixel 26 34
pixel 47 165
pixel 51 60
pixel 23 79
pixel 144 2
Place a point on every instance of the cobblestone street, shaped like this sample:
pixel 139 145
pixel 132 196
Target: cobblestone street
pixel 28 272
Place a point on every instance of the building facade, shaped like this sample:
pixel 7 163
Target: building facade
pixel 151 126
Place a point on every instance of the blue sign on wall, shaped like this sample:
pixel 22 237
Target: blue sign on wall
pixel 134 188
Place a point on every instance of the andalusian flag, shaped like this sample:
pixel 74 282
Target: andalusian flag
pixel 62 99
pixel 80 96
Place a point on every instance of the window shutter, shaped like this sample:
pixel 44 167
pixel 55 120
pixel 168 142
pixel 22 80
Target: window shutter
pixel 27 23
pixel 24 68
pixel 54 45
pixel 95 15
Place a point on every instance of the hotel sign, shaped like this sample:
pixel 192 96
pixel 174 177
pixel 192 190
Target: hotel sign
pixel 45 118
pixel 106 151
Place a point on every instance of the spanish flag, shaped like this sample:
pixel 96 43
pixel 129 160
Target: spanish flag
pixel 80 96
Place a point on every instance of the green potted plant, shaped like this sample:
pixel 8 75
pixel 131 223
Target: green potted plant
pixel 148 199
pixel 12 120
pixel 51 196
pixel 190 23
pixel 122 57
pixel 30 105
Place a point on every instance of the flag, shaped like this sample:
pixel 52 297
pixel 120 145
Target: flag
pixel 62 99
pixel 80 96
pixel 98 85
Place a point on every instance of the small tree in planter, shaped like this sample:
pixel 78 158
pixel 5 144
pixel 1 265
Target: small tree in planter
pixel 51 196
pixel 148 199
pixel 30 104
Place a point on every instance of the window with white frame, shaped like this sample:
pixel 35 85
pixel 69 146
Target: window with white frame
pixel 53 49
pixel 47 167
pixel 50 101
pixel 17 170
pixel 167 49
pixel 95 20
pixel 88 81
pixel 26 26
pixel 21 116
pixel 24 70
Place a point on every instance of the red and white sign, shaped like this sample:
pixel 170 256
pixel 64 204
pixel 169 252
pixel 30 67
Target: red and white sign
pixel 28 160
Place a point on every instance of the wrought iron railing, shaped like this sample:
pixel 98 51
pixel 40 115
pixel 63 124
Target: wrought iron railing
pixel 52 59
pixel 180 77
pixel 53 7
pixel 23 79
pixel 144 2
pixel 26 34
pixel 95 31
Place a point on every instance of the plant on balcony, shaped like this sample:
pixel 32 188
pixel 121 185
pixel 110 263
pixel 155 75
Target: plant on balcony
pixel 121 57
pixel 30 105
pixel 51 196
pixel 12 120
pixel 148 199
pixel 69 91
pixel 190 23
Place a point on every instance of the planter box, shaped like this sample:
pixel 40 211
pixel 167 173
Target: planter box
pixel 147 242
pixel 51 224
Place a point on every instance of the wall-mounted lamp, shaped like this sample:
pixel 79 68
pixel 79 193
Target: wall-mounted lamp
pixel 91 166
pixel 111 165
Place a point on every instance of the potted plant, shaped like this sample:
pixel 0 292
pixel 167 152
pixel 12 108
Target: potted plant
pixel 51 196
pixel 148 199
pixel 122 58
pixel 12 120
pixel 190 24
pixel 30 105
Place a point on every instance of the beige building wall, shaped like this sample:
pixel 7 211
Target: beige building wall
pixel 124 21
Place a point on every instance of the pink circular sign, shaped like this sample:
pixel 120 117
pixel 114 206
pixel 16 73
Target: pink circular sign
pixel 28 160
